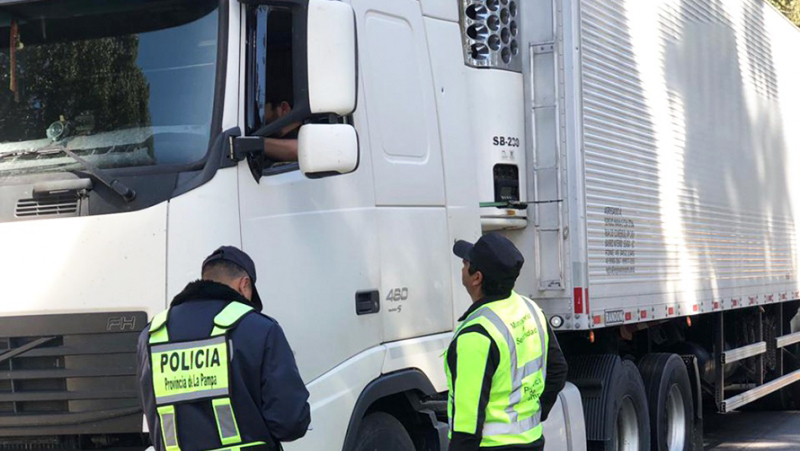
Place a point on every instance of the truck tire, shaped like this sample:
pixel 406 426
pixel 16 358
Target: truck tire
pixel 382 432
pixel 669 394
pixel 627 423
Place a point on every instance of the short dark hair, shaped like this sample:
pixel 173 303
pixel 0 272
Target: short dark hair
pixel 223 269
pixel 491 287
pixel 278 97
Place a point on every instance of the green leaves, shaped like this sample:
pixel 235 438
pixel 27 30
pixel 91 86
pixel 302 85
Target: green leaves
pixel 790 8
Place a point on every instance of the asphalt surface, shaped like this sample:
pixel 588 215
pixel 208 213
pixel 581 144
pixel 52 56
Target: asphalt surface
pixel 753 431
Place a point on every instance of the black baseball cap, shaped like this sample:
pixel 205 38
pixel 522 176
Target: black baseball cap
pixel 494 255
pixel 242 260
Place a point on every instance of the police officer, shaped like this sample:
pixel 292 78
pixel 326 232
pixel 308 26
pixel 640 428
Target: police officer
pixel 217 374
pixel 504 366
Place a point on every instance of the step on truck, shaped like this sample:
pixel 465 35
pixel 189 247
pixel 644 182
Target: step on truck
pixel 638 153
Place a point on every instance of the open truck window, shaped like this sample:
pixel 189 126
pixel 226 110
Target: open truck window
pixel 270 72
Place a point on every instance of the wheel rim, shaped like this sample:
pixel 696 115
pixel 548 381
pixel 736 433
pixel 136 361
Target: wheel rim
pixel 676 419
pixel 627 436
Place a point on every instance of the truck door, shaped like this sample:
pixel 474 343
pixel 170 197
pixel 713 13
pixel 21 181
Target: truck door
pixel 407 167
pixel 314 242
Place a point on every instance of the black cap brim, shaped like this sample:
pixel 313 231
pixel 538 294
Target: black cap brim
pixel 462 249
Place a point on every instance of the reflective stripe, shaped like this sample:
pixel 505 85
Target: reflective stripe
pixel 542 331
pixel 531 368
pixel 243 447
pixel 232 313
pixel 226 421
pixel 516 393
pixel 187 345
pixel 168 431
pixel 158 330
pixel 196 396
pixel 515 428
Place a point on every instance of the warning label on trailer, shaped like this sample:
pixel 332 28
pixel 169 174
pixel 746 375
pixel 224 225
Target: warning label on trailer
pixel 620 242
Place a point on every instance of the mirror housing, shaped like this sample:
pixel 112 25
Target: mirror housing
pixel 327 149
pixel 332 66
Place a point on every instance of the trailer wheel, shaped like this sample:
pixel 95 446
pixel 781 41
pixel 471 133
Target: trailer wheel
pixel 671 406
pixel 627 424
pixel 382 432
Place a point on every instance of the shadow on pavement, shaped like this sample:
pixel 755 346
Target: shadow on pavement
pixel 752 431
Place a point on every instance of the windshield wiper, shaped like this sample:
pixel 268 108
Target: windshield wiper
pixel 115 185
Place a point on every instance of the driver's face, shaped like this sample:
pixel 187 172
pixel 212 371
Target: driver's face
pixel 275 112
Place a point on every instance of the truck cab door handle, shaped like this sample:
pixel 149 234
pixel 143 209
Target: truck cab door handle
pixel 367 302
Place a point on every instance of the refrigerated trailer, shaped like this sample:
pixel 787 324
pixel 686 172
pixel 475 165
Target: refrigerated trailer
pixel 662 207
pixel 638 153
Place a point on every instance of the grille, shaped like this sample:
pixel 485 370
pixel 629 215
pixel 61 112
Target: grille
pixel 69 374
pixel 61 204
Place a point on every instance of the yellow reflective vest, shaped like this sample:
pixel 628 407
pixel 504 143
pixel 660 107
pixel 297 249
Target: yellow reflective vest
pixel 512 414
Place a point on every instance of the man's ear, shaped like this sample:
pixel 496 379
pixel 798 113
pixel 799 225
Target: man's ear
pixel 240 285
pixel 284 108
pixel 477 278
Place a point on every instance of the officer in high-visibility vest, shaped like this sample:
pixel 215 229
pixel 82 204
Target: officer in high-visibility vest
pixel 504 366
pixel 215 373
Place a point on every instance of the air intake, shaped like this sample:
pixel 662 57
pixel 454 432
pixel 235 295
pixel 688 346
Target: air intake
pixel 65 204
pixel 65 375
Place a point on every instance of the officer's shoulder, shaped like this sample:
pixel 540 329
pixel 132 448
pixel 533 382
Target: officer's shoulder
pixel 260 319
pixel 476 328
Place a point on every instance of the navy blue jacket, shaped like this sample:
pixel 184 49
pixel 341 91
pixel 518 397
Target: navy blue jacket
pixel 269 398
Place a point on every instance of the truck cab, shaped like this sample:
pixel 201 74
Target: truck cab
pixel 131 146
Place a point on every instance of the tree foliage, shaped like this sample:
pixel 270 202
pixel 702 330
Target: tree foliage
pixel 97 81
pixel 790 8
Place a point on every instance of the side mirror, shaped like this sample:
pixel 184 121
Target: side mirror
pixel 327 149
pixel 331 44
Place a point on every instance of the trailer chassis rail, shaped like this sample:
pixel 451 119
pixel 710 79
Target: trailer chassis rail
pixel 755 350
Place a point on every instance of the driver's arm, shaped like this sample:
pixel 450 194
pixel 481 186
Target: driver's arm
pixel 280 149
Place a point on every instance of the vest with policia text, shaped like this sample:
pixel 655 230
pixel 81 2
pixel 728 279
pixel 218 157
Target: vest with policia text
pixel 196 371
pixel 513 412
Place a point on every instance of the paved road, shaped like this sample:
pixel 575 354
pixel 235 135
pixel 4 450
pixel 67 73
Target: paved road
pixel 753 431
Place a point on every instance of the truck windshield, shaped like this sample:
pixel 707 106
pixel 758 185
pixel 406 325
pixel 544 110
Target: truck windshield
pixel 121 83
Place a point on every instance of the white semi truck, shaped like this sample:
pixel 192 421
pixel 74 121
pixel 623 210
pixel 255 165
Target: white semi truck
pixel 638 153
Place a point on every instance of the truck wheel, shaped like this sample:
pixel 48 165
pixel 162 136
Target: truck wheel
pixel 382 432
pixel 627 423
pixel 670 397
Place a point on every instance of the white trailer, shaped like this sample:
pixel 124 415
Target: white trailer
pixel 663 211
pixel 637 152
